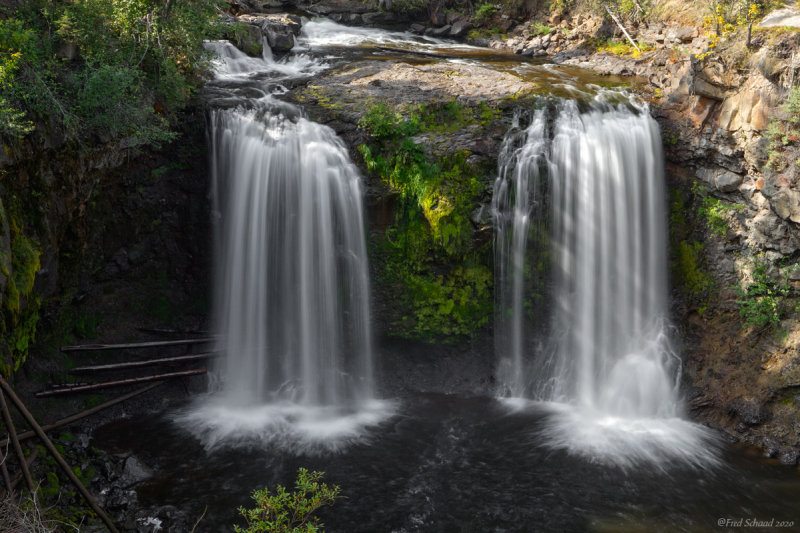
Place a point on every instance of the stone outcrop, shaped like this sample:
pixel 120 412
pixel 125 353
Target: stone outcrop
pixel 278 31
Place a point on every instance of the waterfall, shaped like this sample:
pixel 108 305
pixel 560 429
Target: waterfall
pixel 291 298
pixel 518 207
pixel 292 279
pixel 595 343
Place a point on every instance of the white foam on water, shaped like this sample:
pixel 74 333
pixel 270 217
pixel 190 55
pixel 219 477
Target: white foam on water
pixel 289 426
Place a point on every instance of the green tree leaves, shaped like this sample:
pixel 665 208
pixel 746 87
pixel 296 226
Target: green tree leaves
pixel 289 512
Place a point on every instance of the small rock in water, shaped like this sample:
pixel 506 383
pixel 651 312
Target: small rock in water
pixel 788 456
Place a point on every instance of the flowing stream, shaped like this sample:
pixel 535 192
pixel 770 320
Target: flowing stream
pixel 589 434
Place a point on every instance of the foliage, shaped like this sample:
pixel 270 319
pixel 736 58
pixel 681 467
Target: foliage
pixel 29 516
pixel 762 303
pixel 622 48
pixel 20 310
pixel 783 133
pixel 485 10
pixel 713 210
pixel 725 17
pixel 628 9
pixel 427 255
pixel 688 258
pixel 113 68
pixel 539 28
pixel 289 512
pixel 694 280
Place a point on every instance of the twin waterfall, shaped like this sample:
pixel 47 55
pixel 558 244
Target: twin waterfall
pixel 581 288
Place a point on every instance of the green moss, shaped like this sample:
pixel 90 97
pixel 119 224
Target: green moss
pixel 20 312
pixel 688 266
pixel 690 274
pixel 428 255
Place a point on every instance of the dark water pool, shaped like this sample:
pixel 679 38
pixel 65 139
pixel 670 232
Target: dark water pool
pixel 448 463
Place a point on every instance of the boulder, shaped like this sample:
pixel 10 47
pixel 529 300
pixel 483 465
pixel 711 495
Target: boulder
pixel 682 34
pixel 723 180
pixel 440 32
pixel 460 28
pixel 748 410
pixel 786 204
pixel 387 18
pixel 788 456
pixel 250 40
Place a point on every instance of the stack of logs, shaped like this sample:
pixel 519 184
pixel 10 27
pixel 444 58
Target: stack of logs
pixel 25 461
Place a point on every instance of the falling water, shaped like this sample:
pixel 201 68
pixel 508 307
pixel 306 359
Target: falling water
pixel 293 304
pixel 606 364
pixel 292 288
pixel 518 206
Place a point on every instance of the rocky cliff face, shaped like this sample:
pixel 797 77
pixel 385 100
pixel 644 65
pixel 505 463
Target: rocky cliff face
pixel 101 240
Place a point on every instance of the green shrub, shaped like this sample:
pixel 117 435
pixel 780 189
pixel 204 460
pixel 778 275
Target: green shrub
pixel 486 10
pixel 137 63
pixel 289 512
pixel 762 303
pixel 713 210
pixel 783 133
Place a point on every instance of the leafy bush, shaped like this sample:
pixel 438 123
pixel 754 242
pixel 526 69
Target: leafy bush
pixel 713 210
pixel 486 10
pixel 113 68
pixel 783 133
pixel 762 303
pixel 289 512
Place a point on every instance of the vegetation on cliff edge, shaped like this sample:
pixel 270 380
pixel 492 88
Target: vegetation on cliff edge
pixel 428 256
pixel 101 69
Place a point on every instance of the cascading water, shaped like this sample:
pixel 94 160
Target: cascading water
pixel 606 364
pixel 520 218
pixel 292 288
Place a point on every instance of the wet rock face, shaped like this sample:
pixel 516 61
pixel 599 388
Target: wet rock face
pixel 748 411
pixel 278 30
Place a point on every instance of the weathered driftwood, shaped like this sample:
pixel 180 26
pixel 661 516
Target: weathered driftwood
pixel 628 35
pixel 12 433
pixel 18 476
pixel 165 331
pixel 83 414
pixel 144 362
pixel 4 470
pixel 148 344
pixel 57 456
pixel 65 388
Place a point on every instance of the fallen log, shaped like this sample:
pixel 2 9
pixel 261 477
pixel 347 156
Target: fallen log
pixel 143 362
pixel 15 441
pixel 628 35
pixel 65 388
pixel 83 414
pixel 18 477
pixel 57 456
pixel 164 331
pixel 6 477
pixel 148 344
